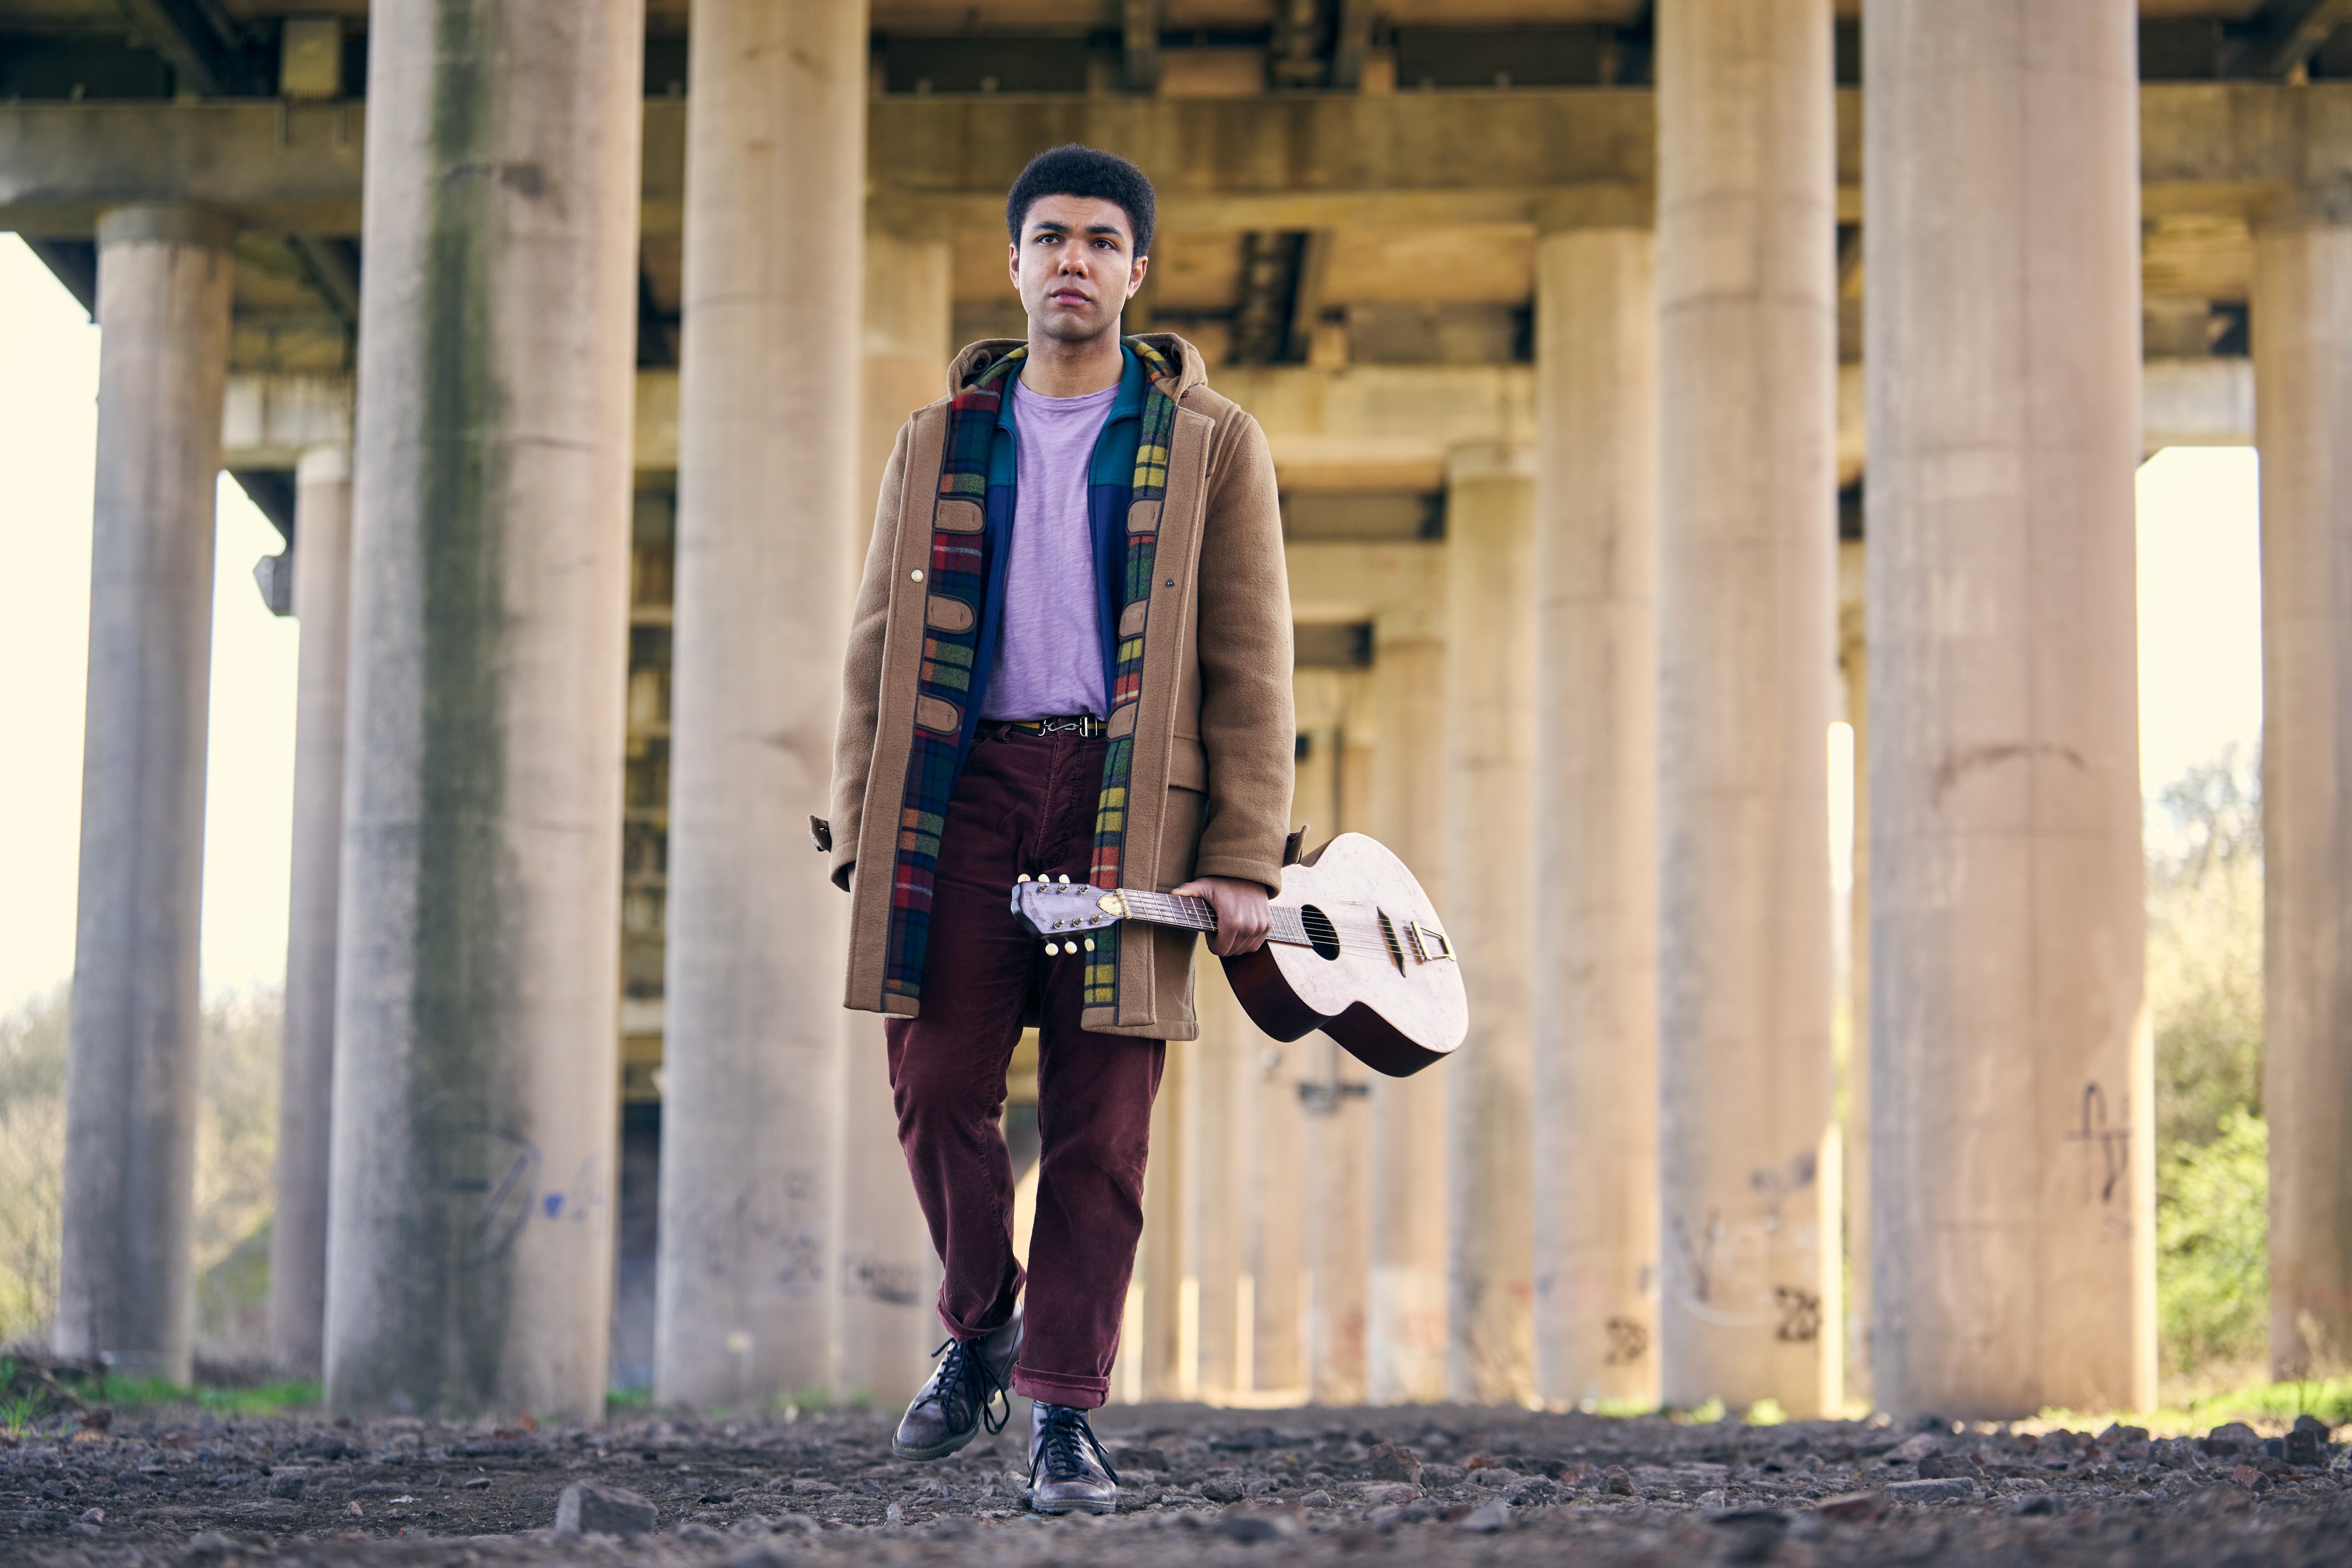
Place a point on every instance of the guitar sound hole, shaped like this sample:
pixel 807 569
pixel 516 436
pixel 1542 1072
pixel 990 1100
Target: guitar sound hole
pixel 1388 935
pixel 1321 934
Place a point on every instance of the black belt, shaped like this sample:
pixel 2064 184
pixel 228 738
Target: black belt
pixel 1083 725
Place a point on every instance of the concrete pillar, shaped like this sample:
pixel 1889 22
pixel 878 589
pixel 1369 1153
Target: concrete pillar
pixel 1167 1370
pixel 1335 1148
pixel 1853 663
pixel 306 1077
pixel 1404 1298
pixel 125 1287
pixel 469 1258
pixel 1281 1184
pixel 909 339
pixel 1216 1161
pixel 768 483
pixel 1596 825
pixel 889 1275
pixel 2303 409
pixel 1489 815
pixel 1336 1131
pixel 2011 1119
pixel 1274 1266
pixel 1746 614
pixel 889 1280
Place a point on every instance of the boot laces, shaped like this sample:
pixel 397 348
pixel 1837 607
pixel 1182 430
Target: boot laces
pixel 1064 1444
pixel 964 1383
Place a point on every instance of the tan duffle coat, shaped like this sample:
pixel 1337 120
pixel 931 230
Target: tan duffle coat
pixel 1215 735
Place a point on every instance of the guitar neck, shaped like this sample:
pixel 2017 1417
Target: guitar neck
pixel 1190 913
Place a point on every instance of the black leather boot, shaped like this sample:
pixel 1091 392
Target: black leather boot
pixel 966 1391
pixel 1068 1470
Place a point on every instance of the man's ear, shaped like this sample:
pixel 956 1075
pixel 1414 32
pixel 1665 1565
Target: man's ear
pixel 1013 263
pixel 1135 275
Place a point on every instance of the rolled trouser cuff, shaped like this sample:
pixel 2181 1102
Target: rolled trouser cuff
pixel 1061 1388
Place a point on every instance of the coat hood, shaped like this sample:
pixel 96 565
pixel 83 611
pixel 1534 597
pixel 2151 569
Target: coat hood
pixel 974 360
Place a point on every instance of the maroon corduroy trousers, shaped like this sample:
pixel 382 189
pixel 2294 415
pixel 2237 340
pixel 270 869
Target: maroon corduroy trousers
pixel 1025 803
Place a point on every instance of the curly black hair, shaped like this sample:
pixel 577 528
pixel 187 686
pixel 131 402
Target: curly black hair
pixel 1072 170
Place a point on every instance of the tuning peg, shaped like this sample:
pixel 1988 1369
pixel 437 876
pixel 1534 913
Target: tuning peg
pixel 1023 878
pixel 1065 878
pixel 1090 944
pixel 1052 951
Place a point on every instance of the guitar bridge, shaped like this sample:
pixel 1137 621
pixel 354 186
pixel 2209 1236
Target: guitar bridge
pixel 1429 944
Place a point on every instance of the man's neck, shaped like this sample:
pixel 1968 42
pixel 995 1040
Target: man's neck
pixel 1057 367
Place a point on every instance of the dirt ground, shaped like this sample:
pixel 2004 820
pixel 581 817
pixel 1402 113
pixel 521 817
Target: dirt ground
pixel 1423 1487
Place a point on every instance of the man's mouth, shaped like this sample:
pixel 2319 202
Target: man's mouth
pixel 1068 297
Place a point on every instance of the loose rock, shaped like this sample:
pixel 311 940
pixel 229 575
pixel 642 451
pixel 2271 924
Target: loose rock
pixel 1489 1518
pixel 589 1509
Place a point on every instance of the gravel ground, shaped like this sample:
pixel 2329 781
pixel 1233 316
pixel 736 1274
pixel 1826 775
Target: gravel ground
pixel 1425 1485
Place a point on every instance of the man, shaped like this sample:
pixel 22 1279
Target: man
pixel 1070 659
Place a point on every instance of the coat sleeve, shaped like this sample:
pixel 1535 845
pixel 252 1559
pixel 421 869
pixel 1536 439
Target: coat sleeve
pixel 1248 727
pixel 861 670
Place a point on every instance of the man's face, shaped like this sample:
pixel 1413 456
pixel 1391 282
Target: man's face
pixel 1075 265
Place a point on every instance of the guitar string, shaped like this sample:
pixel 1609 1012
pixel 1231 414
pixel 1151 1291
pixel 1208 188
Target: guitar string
pixel 1192 913
pixel 1356 934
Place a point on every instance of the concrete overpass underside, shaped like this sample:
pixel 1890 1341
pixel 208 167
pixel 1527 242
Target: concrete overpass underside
pixel 1589 349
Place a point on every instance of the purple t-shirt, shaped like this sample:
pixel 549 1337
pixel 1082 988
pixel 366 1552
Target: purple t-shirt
pixel 1049 661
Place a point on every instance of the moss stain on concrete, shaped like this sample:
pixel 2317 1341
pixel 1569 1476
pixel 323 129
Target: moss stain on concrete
pixel 463 1089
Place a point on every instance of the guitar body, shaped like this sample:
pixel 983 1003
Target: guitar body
pixel 1387 989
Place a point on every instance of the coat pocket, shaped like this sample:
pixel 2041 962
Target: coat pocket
pixel 1188 765
pixel 1180 835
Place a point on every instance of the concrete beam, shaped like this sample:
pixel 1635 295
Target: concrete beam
pixel 1553 157
pixel 1352 427
pixel 282 167
pixel 1337 584
pixel 270 421
pixel 1384 426
pixel 2202 401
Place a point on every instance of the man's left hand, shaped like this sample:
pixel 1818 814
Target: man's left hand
pixel 1244 916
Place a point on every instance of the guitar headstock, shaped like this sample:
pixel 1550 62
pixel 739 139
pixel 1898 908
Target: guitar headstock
pixel 1065 913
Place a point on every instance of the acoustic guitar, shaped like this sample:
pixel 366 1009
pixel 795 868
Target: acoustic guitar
pixel 1356 950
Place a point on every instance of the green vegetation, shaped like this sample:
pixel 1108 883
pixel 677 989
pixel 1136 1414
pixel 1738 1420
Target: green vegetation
pixel 2330 1399
pixel 2205 951
pixel 18 1404
pixel 32 1163
pixel 236 1145
pixel 2205 995
pixel 2212 1275
pixel 2264 1405
pixel 262 1399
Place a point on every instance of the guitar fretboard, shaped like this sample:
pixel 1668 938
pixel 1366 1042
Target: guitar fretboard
pixel 1191 913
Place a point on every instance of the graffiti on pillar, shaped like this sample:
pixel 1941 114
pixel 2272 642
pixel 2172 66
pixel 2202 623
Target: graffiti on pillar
pixel 1800 1314
pixel 583 1199
pixel 802 1271
pixel 2105 1139
pixel 1629 1342
pixel 489 1177
pixel 891 1284
pixel 1776 1188
pixel 1726 1269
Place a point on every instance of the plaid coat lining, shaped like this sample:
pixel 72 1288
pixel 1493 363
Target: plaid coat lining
pixel 958 572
